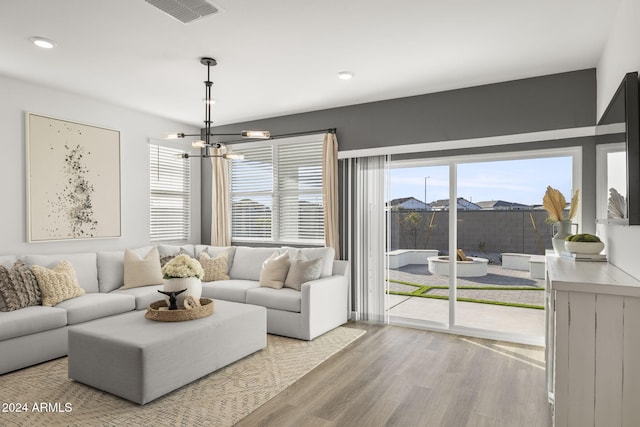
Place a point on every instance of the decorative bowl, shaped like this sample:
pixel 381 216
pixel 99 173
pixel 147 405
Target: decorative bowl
pixel 584 247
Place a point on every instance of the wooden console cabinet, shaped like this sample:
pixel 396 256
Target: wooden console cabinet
pixel 592 344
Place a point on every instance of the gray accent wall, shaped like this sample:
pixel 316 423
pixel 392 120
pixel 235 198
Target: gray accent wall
pixel 558 101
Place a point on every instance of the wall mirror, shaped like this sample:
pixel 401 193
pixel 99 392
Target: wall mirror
pixel 619 155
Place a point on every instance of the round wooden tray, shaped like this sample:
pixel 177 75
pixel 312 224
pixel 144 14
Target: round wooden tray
pixel 154 311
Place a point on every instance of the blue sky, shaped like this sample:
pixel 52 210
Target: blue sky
pixel 521 181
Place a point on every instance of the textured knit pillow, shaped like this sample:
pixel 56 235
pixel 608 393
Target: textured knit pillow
pixel 274 270
pixel 58 284
pixel 303 271
pixel 25 283
pixel 140 271
pixel 214 268
pixel 7 292
pixel 18 287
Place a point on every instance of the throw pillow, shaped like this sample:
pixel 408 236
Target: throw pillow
pixel 25 283
pixel 18 287
pixel 164 258
pixel 58 284
pixel 214 268
pixel 140 271
pixel 274 270
pixel 7 292
pixel 303 271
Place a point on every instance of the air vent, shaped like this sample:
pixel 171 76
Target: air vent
pixel 185 11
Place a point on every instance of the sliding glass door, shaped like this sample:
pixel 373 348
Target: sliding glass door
pixel 484 213
pixel 418 234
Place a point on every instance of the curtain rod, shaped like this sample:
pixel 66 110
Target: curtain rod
pixel 284 135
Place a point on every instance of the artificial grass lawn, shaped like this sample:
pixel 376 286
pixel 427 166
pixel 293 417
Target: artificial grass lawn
pixel 422 290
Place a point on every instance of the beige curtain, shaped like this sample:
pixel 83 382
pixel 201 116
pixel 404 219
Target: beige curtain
pixel 220 233
pixel 330 191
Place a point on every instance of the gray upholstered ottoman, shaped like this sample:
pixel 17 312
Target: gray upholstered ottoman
pixel 141 359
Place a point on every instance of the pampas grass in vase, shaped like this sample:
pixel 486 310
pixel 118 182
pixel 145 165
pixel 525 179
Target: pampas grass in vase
pixel 555 203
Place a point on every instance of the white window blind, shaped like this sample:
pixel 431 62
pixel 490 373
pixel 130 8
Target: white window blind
pixel 252 194
pixel 170 189
pixel 276 192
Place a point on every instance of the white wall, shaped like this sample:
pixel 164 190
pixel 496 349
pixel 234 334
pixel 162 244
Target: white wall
pixel 135 128
pixel 621 53
pixel 620 56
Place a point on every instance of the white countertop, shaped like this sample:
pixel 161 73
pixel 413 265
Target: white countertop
pixel 593 277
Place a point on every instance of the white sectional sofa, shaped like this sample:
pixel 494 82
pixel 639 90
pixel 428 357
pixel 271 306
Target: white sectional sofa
pixel 36 334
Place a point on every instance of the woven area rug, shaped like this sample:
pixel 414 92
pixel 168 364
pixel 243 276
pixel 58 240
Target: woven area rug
pixel 218 399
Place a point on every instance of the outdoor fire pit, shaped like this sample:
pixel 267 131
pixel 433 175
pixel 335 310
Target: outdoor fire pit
pixel 473 267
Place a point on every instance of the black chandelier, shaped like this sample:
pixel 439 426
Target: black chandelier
pixel 206 144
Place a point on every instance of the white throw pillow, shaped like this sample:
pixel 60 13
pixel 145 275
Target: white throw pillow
pixel 140 271
pixel 274 271
pixel 302 271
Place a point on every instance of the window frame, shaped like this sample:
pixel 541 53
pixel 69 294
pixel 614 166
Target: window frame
pixel 276 193
pixel 185 224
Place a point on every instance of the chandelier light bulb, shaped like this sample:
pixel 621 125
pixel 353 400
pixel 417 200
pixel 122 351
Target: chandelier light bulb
pixel 263 134
pixel 233 156
pixel 174 135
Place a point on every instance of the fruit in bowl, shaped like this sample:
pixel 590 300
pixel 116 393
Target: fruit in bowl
pixel 583 244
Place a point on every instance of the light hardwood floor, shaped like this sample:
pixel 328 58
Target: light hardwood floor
pixel 396 376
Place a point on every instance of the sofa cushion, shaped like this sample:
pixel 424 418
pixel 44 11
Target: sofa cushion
pixel 214 268
pixel 144 295
pixel 111 268
pixel 247 262
pixel 302 271
pixel 142 271
pixel 228 290
pixel 95 306
pixel 277 299
pixel 274 271
pixel 8 260
pixel 84 265
pixel 18 287
pixel 57 284
pixel 216 251
pixel 327 254
pixel 31 320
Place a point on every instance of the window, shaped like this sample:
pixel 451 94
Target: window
pixel 170 191
pixel 276 192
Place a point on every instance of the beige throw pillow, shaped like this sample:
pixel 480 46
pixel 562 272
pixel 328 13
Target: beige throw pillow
pixel 303 271
pixel 58 284
pixel 214 268
pixel 274 271
pixel 140 271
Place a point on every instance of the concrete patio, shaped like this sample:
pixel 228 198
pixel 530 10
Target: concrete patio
pixel 477 315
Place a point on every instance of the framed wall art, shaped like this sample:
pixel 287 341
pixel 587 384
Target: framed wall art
pixel 73 180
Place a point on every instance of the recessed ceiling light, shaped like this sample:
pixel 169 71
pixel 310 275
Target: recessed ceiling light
pixel 43 43
pixel 345 75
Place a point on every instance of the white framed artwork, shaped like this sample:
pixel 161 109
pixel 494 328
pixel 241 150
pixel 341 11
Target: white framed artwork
pixel 73 180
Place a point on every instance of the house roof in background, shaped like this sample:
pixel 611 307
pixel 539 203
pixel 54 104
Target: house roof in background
pixel 278 58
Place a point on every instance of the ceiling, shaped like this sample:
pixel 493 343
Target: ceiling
pixel 283 56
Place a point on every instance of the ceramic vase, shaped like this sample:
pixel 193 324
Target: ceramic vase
pixel 563 229
pixel 193 287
